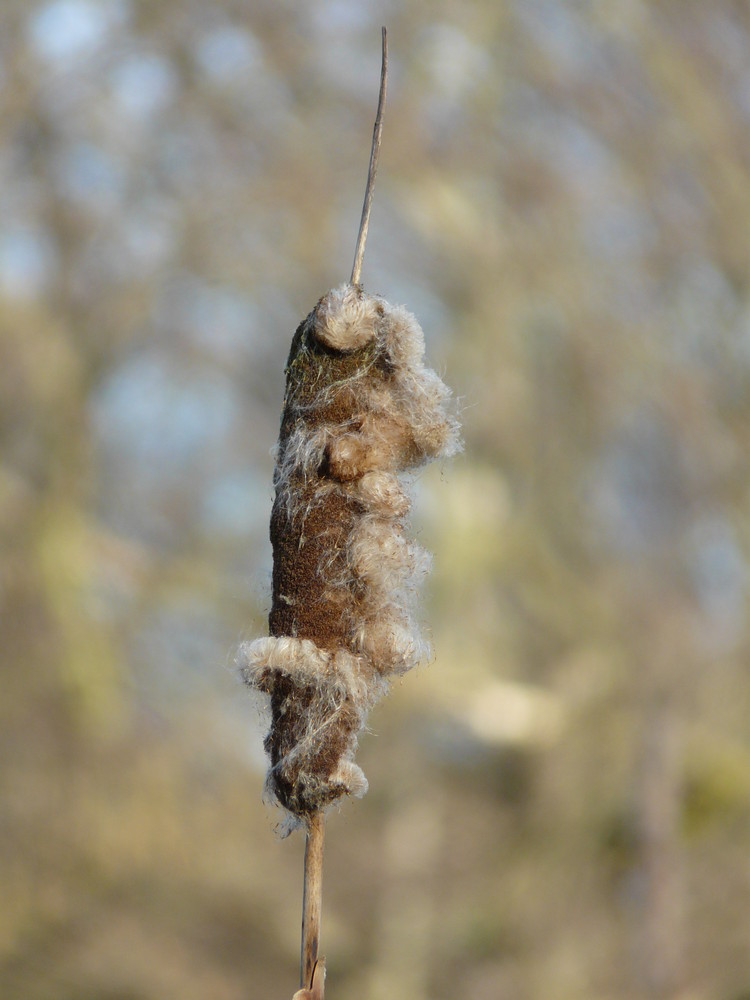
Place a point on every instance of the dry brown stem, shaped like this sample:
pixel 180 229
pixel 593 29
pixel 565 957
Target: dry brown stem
pixel 318 984
pixel 312 972
pixel 377 136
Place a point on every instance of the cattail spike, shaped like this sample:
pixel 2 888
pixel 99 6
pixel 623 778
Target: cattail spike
pixel 360 408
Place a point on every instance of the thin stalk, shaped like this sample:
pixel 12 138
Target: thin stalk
pixel 377 136
pixel 312 899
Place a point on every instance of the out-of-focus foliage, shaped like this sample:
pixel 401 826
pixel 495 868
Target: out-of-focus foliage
pixel 560 805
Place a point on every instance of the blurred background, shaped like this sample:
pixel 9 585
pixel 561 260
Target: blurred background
pixel 559 806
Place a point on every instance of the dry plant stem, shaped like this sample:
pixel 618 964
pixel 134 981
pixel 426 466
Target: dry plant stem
pixel 312 898
pixel 377 136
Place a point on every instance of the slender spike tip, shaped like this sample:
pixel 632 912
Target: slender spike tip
pixel 377 136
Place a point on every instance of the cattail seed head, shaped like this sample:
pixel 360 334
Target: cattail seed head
pixel 360 407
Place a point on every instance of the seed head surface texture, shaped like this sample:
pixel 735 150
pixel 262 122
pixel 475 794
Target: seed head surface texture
pixel 359 409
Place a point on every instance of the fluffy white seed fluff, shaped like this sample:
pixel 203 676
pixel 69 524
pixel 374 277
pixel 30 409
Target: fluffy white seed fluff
pixel 382 493
pixel 394 641
pixel 384 559
pixel 346 318
pixel 339 672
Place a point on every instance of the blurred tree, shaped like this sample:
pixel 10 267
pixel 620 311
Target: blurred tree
pixel 559 806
